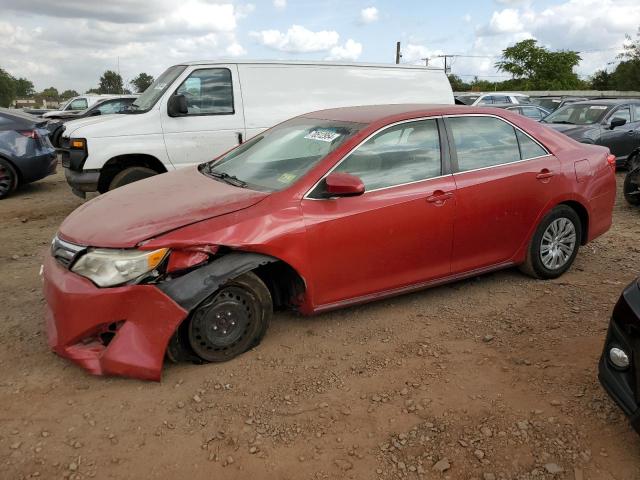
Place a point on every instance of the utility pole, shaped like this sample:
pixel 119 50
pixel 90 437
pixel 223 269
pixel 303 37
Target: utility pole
pixel 398 54
pixel 426 61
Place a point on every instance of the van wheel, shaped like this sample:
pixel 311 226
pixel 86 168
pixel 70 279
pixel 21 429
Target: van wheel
pixel 554 245
pixel 8 179
pixel 130 175
pixel 232 320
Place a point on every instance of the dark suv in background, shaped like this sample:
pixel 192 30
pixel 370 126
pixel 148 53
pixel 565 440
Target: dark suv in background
pixel 612 123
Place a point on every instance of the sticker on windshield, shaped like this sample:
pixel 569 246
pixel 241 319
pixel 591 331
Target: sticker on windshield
pixel 598 107
pixel 286 178
pixel 322 134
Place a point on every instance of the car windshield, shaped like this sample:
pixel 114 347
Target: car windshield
pixel 578 114
pixel 280 156
pixel 151 95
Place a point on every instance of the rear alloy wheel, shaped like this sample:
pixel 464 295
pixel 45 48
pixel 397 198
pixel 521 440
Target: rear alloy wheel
pixel 130 175
pixel 555 244
pixel 631 187
pixel 232 320
pixel 8 179
pixel 633 162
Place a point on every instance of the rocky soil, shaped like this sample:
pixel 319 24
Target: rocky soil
pixel 489 378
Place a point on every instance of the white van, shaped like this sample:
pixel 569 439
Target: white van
pixel 195 111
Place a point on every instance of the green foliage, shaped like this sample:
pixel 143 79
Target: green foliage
pixel 7 88
pixel 24 88
pixel 67 94
pixel 141 82
pixel 536 68
pixel 50 93
pixel 602 80
pixel 110 82
pixel 457 84
pixel 93 91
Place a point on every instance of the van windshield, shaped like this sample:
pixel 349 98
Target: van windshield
pixel 279 157
pixel 151 95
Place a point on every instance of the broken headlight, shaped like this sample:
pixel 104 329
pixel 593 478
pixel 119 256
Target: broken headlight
pixel 108 268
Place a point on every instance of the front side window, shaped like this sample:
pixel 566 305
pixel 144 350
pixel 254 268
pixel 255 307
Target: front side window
pixel 208 92
pixel 279 157
pixel 110 107
pixel 405 153
pixel 624 113
pixel 483 142
pixel 78 104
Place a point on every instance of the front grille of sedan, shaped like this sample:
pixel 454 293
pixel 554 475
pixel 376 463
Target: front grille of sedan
pixel 64 252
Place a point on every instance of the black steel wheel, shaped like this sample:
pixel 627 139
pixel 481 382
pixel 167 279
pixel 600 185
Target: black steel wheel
pixel 631 187
pixel 232 320
pixel 130 175
pixel 8 178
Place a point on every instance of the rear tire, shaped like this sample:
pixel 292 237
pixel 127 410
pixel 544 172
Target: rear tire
pixel 8 179
pixel 130 175
pixel 232 320
pixel 631 187
pixel 554 244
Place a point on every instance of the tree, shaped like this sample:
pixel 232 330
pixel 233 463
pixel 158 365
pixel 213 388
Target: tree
pixel 67 94
pixel 602 80
pixel 7 88
pixel 93 91
pixel 24 87
pixel 627 74
pixel 50 93
pixel 536 68
pixel 110 82
pixel 457 84
pixel 141 82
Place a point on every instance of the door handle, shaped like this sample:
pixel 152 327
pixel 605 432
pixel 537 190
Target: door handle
pixel 239 138
pixel 544 174
pixel 439 197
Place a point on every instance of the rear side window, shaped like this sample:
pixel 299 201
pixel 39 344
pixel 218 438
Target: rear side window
pixel 636 113
pixel 624 112
pixel 208 92
pixel 483 142
pixel 531 112
pixel 405 153
pixel 529 148
pixel 78 104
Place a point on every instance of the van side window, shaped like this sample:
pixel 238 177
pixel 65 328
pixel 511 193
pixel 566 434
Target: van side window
pixel 208 92
pixel 408 152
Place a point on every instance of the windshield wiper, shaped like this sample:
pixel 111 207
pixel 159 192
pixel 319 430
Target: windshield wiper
pixel 564 122
pixel 225 177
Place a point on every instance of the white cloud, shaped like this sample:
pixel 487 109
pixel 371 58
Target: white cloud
pixel 504 21
pixel 297 39
pixel 280 3
pixel 369 15
pixel 351 50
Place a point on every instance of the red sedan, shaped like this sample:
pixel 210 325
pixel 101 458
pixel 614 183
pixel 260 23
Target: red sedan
pixel 325 210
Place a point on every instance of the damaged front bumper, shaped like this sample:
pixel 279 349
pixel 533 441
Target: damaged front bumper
pixel 622 381
pixel 108 331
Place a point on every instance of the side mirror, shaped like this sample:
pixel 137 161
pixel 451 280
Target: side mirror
pixel 338 184
pixel 95 112
pixel 177 105
pixel 617 122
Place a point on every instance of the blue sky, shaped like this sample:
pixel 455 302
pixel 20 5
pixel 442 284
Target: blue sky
pixel 69 43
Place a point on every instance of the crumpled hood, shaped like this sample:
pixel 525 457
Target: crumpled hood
pixel 125 217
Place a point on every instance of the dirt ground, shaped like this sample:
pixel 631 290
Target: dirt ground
pixel 489 378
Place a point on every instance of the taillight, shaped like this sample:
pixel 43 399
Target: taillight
pixel 29 133
pixel 611 161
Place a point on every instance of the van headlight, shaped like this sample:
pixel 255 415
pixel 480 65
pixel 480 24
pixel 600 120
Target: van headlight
pixel 109 267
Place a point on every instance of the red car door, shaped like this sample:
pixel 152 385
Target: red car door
pixel 504 179
pixel 397 233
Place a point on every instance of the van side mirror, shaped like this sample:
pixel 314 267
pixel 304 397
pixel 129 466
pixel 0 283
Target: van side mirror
pixel 339 184
pixel 177 105
pixel 617 122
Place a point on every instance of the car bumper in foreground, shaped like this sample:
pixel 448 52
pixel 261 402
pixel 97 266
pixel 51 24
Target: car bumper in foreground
pixel 108 331
pixel 623 384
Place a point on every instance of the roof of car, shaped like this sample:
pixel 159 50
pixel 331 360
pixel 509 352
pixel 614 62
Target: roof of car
pixel 607 101
pixel 233 61
pixel 394 112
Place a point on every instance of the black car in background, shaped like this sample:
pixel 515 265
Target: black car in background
pixel 102 107
pixel 553 103
pixel 613 123
pixel 26 153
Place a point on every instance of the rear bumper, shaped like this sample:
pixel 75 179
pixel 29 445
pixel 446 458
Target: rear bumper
pixel 39 167
pixel 82 182
pixel 138 319
pixel 623 386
